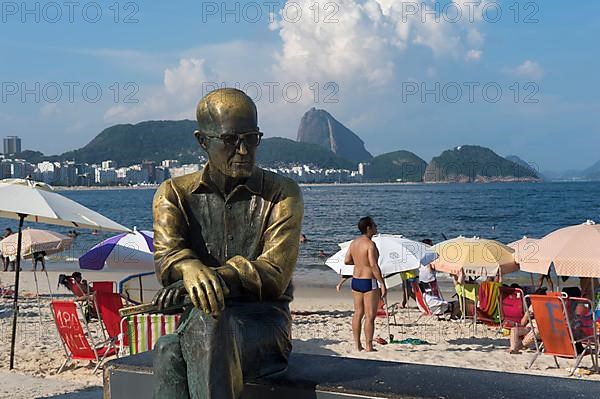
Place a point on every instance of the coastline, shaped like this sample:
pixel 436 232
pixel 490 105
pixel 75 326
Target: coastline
pixel 155 186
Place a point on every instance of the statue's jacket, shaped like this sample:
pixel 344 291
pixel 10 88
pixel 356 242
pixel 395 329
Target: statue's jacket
pixel 254 230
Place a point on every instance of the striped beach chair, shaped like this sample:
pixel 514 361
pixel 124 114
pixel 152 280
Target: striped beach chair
pixel 143 330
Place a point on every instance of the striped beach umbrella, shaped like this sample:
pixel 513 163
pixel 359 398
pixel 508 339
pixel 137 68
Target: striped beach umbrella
pixel 128 251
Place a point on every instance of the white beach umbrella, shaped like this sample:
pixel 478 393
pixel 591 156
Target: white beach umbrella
pixel 396 254
pixel 25 199
pixel 39 203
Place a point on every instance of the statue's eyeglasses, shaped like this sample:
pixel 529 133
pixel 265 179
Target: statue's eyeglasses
pixel 251 139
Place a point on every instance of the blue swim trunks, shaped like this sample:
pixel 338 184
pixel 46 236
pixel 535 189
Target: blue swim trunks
pixel 363 285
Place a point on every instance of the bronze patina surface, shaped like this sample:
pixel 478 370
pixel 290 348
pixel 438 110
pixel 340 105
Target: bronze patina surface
pixel 227 237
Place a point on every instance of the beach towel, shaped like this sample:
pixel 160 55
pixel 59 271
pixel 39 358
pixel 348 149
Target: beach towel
pixel 488 298
pixel 413 341
pixel 145 329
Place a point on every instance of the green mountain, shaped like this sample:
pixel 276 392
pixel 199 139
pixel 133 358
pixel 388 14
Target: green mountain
pixel 158 140
pixel 129 144
pixel 530 166
pixel 396 166
pixel 469 163
pixel 277 151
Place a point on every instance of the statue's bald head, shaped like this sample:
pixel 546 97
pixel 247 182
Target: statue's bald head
pixel 228 131
pixel 226 111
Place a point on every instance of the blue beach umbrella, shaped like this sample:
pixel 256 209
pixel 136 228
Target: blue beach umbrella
pixel 128 251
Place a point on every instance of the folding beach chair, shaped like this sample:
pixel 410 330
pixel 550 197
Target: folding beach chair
pixel 74 340
pixel 435 289
pixel 467 291
pixel 564 330
pixel 76 288
pixel 512 306
pixel 421 303
pixel 103 286
pixel 144 330
pixel 108 305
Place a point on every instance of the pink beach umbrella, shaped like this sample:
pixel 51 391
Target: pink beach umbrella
pixel 574 251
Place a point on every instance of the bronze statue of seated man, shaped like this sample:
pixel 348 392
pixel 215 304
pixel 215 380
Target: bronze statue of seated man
pixel 226 238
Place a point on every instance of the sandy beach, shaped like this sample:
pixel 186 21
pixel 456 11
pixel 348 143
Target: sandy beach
pixel 321 325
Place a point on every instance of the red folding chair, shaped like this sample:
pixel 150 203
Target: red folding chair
pixel 421 303
pixel 74 340
pixel 108 304
pixel 76 288
pixel 83 296
pixel 103 286
pixel 512 306
pixel 563 328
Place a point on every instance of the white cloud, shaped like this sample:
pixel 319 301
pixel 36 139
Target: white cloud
pixel 182 86
pixel 49 109
pixel 528 70
pixel 474 55
pixel 367 41
pixel 186 78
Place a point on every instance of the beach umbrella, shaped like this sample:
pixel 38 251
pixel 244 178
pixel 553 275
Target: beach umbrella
pixel 126 251
pixel 474 257
pixel 396 254
pixel 525 249
pixel 35 240
pixel 25 199
pixel 574 251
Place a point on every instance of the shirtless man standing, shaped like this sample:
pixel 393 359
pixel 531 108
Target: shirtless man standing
pixel 363 254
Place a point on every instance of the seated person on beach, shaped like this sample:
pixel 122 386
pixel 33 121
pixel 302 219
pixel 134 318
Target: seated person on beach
pixel 582 322
pixel 523 335
pixel 366 282
pixel 75 278
pixel 39 257
pixel 437 305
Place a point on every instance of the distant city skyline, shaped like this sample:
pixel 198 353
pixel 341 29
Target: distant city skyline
pixel 517 77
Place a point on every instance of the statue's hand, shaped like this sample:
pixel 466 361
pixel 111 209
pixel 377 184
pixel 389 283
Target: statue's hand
pixel 205 288
pixel 170 297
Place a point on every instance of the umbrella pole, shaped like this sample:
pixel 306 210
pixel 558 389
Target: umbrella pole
pixel 49 287
pixel 37 291
pixel 16 301
pixel 387 313
pixel 532 282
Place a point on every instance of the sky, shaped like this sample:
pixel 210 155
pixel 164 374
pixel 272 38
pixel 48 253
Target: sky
pixel 520 77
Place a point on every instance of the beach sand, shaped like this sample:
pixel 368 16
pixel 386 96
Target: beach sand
pixel 321 325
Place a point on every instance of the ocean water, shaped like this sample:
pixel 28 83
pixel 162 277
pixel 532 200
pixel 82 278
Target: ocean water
pixel 503 211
